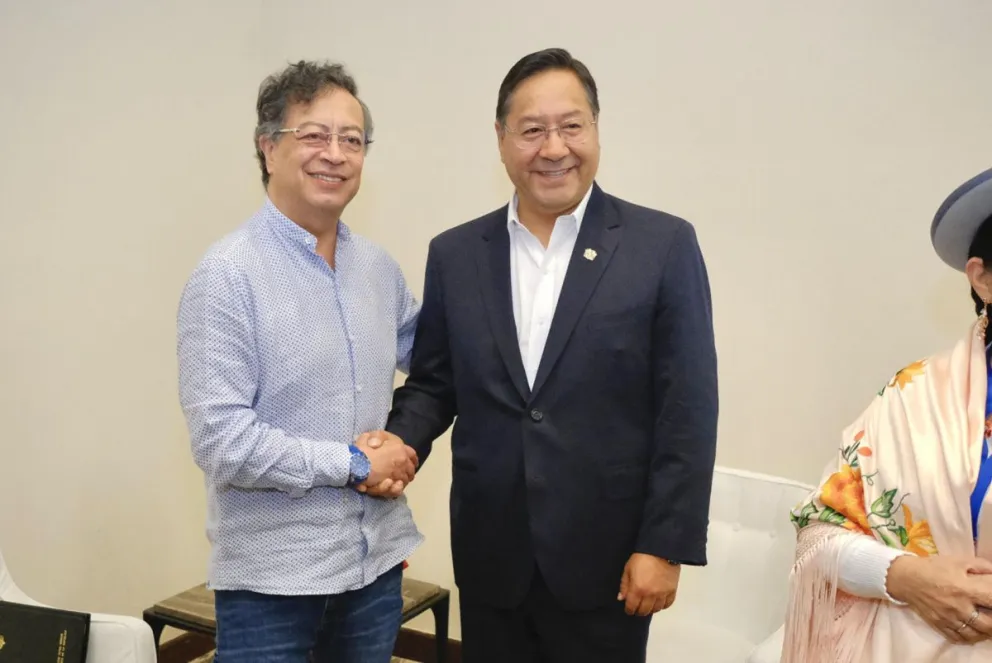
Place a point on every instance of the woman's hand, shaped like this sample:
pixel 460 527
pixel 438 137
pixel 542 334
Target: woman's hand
pixel 947 593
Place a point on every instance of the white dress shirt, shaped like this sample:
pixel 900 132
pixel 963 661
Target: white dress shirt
pixel 536 277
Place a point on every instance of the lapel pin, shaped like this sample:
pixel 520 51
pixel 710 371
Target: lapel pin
pixel 589 254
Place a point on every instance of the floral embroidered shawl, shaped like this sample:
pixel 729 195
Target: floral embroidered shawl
pixel 904 474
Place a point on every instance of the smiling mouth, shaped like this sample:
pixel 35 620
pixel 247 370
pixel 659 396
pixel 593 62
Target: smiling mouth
pixel 333 179
pixel 554 174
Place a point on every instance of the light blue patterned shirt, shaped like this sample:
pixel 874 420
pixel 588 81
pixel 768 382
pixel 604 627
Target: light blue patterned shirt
pixel 283 362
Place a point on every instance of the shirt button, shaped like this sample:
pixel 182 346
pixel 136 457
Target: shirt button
pixel 358 388
pixel 536 415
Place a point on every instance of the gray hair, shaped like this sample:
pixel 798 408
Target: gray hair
pixel 298 83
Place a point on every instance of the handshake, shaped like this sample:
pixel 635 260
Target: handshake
pixel 393 464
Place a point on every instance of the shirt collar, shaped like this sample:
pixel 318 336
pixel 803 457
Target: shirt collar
pixel 294 231
pixel 580 211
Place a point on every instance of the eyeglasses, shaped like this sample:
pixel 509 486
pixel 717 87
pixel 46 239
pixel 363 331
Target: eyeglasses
pixel 572 132
pixel 319 136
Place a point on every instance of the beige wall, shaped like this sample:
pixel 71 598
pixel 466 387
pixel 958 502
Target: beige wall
pixel 809 143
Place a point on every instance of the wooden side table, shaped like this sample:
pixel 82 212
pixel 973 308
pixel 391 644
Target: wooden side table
pixel 193 610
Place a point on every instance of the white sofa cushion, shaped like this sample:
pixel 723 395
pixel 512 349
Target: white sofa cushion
pixel 9 591
pixel 769 651
pixel 724 610
pixel 676 640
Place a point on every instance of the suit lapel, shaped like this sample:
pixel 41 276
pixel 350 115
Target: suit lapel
pixel 494 277
pixel 599 232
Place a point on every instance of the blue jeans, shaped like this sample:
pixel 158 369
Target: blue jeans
pixel 354 627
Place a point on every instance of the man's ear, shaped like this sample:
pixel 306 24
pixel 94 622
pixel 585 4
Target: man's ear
pixel 500 133
pixel 267 146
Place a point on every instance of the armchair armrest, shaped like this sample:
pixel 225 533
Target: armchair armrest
pixel 120 639
pixel 113 638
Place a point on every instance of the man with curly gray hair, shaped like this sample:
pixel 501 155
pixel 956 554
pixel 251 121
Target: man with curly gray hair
pixel 290 330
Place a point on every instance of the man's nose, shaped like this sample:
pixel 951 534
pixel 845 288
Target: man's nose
pixel 554 147
pixel 332 151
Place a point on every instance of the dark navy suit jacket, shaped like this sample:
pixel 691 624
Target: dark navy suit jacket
pixel 612 451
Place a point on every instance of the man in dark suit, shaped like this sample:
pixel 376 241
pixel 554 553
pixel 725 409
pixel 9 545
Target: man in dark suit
pixel 569 337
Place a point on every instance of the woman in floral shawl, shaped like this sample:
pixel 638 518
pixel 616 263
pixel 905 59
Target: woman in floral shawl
pixel 894 555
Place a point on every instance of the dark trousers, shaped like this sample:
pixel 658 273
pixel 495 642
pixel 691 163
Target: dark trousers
pixel 356 627
pixel 541 631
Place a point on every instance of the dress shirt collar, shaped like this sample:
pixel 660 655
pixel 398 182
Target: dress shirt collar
pixel 513 220
pixel 294 231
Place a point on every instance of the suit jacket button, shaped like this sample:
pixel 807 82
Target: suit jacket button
pixel 536 415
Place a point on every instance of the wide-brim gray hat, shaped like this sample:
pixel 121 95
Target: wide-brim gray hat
pixel 960 217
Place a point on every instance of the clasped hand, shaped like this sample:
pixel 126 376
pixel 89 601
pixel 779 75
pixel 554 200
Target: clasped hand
pixel 953 595
pixel 393 464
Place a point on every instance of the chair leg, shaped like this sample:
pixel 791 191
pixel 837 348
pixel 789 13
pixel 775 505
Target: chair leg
pixel 440 610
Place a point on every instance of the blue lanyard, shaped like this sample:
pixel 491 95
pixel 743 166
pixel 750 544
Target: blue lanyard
pixel 985 473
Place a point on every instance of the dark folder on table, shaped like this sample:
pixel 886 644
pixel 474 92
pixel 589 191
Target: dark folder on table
pixel 34 634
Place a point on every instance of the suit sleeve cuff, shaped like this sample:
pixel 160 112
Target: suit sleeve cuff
pixel 667 548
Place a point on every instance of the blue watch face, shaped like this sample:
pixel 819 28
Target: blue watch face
pixel 360 465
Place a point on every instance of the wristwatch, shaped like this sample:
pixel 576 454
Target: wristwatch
pixel 360 466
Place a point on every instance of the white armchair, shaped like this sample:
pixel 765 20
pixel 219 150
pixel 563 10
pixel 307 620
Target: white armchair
pixel 732 610
pixel 113 638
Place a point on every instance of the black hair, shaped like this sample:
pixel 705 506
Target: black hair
pixel 535 63
pixel 981 247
